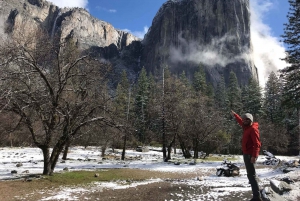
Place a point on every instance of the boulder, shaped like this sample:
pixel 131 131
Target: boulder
pixel 268 194
pixel 280 186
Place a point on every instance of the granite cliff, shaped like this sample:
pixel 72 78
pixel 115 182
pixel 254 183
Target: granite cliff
pixel 184 34
pixel 212 33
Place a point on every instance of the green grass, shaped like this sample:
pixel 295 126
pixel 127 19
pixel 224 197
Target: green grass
pixel 217 158
pixel 81 177
pixel 84 177
pixel 207 159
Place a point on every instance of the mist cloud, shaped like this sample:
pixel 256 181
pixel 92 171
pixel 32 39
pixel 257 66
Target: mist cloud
pixel 213 54
pixel 267 49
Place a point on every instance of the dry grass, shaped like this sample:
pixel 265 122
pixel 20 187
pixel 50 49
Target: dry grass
pixel 31 191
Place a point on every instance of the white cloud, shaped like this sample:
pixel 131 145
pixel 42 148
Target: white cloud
pixel 211 54
pixel 112 10
pixel 106 9
pixel 267 49
pixel 70 3
pixel 139 34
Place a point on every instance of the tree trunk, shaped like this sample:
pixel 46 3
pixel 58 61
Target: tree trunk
pixel 170 149
pixel 66 150
pixel 46 156
pixel 87 141
pixel 196 144
pixel 163 119
pixel 103 148
pixel 175 146
pixel 55 154
pixel 124 147
pixel 299 130
pixel 185 152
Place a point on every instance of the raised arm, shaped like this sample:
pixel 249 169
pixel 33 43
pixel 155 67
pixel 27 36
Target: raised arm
pixel 238 118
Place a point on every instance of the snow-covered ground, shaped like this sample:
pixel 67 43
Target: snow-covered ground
pixel 90 158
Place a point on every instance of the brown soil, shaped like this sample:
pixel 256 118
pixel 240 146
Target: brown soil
pixel 164 190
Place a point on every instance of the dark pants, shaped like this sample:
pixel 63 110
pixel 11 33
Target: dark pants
pixel 251 174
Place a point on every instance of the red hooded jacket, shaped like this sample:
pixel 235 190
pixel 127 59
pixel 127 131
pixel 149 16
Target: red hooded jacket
pixel 251 139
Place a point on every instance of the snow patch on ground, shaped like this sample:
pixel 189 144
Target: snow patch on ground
pixel 214 187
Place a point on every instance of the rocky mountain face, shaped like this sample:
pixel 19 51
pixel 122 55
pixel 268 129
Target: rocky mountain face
pixel 184 34
pixel 212 33
pixel 76 23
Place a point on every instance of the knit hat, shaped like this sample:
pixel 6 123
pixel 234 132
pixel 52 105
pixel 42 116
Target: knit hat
pixel 248 116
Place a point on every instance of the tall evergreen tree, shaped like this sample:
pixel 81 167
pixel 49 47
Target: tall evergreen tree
pixel 221 99
pixel 234 103
pixel 185 85
pixel 234 93
pixel 253 102
pixel 122 97
pixel 141 104
pixel 199 82
pixel 273 99
pixel 291 74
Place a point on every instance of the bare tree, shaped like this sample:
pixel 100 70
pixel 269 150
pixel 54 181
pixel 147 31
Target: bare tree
pixel 53 89
pixel 203 126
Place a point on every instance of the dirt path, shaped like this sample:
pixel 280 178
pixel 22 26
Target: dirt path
pixel 174 186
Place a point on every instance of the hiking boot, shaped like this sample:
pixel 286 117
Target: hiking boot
pixel 256 199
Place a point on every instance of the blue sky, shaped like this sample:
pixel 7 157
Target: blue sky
pixel 135 16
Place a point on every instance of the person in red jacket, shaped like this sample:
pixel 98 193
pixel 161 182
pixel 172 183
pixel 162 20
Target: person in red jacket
pixel 250 147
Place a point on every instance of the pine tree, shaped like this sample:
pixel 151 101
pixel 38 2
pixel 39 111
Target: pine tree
pixel 185 85
pixel 291 74
pixel 253 100
pixel 273 99
pixel 122 97
pixel 141 104
pixel 234 93
pixel 199 82
pixel 221 95
pixel 235 104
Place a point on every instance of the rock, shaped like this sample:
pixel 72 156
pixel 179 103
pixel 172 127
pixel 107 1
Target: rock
pixel 19 165
pixel 38 3
pixel 192 163
pixel 269 195
pixel 96 175
pixel 178 28
pixel 14 172
pixel 177 163
pixel 287 170
pixel 287 180
pixel 280 186
pixel 27 179
pixel 66 169
pixel 184 30
pixel 235 173
pixel 142 149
